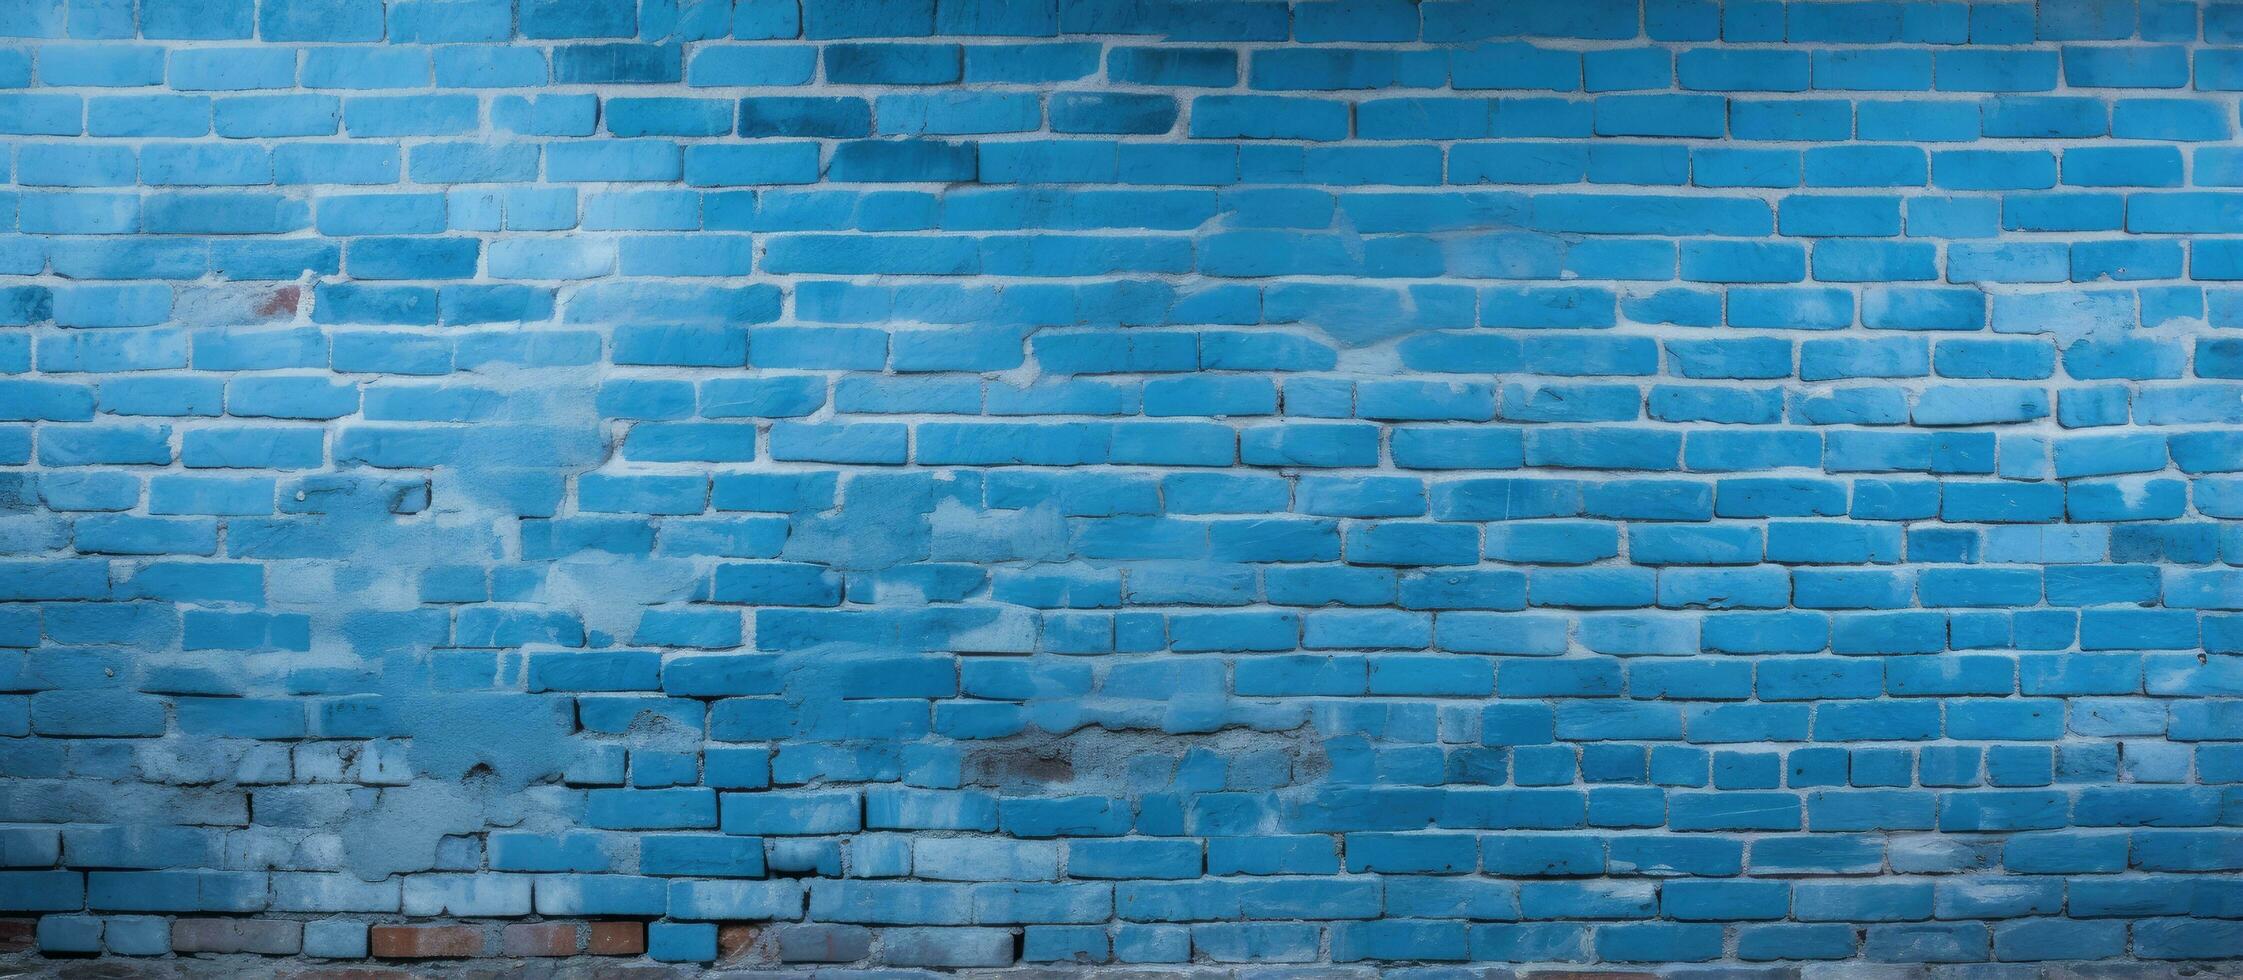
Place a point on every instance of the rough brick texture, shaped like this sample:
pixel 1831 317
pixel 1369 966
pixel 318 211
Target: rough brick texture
pixel 1536 486
pixel 432 942
pixel 540 939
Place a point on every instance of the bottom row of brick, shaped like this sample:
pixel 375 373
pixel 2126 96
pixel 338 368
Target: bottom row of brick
pixel 131 935
pixel 2032 939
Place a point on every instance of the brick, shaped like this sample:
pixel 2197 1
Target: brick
pixel 538 939
pixel 818 943
pixel 425 942
pixel 737 940
pixel 271 937
pixel 616 938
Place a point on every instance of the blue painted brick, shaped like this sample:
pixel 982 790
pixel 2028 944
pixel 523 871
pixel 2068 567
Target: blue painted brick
pixel 1623 474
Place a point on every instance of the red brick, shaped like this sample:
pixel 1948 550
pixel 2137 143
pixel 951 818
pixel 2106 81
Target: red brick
pixel 272 937
pixel 17 935
pixel 425 942
pixel 735 940
pixel 540 939
pixel 618 938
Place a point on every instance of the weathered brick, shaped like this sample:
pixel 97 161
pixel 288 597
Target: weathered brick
pixel 737 940
pixel 539 939
pixel 425 942
pixel 617 938
pixel 272 937
pixel 819 943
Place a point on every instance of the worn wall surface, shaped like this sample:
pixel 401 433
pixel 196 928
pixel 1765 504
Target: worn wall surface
pixel 1001 483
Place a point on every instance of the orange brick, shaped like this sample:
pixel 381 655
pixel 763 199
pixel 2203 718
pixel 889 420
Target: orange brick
pixel 735 939
pixel 540 939
pixel 425 942
pixel 618 938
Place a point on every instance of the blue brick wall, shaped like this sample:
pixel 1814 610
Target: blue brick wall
pixel 966 483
